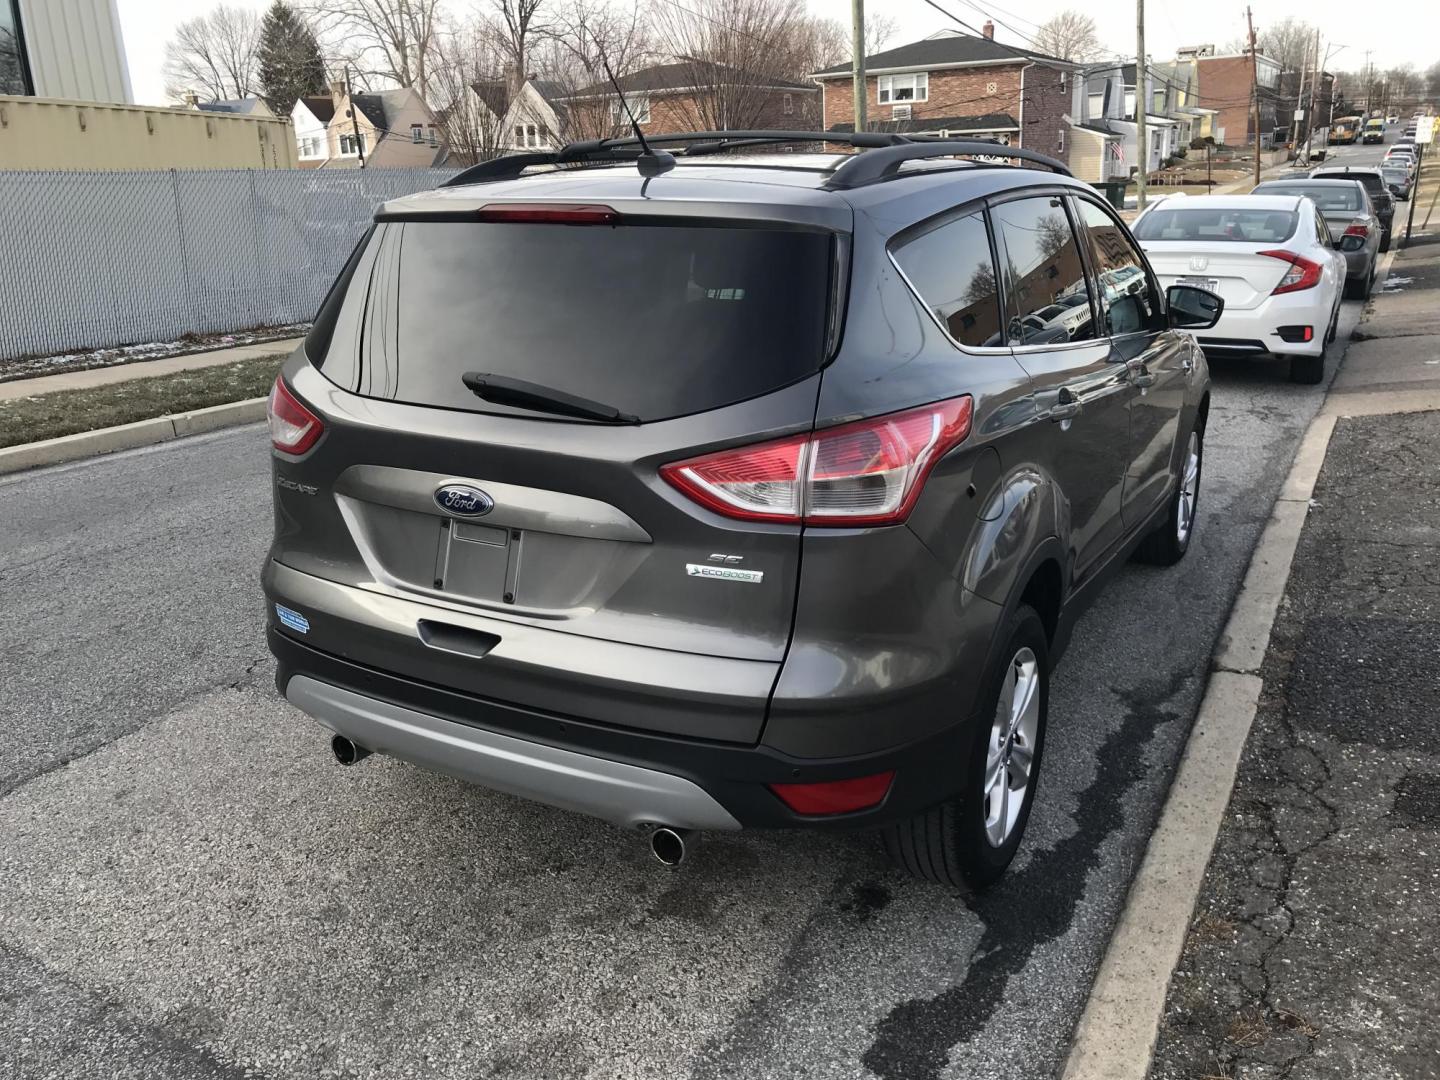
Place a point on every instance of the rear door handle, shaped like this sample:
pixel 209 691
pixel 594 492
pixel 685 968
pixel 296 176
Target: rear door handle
pixel 1066 407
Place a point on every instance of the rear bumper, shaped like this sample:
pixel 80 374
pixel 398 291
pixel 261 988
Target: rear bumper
pixel 625 776
pixel 1254 332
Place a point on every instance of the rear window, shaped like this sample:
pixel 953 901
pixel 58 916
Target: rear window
pixel 656 320
pixel 1195 223
pixel 1325 196
pixel 1372 180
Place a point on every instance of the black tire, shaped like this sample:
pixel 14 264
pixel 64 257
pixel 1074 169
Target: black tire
pixel 1166 545
pixel 947 844
pixel 1354 289
pixel 1384 242
pixel 1307 370
pixel 1333 328
pixel 1369 285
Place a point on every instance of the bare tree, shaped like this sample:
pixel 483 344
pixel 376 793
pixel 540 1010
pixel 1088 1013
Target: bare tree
pixel 1288 41
pixel 518 26
pixel 1070 35
pixel 735 53
pixel 583 36
pixel 879 29
pixel 1403 80
pixel 214 55
pixel 391 41
pixel 466 59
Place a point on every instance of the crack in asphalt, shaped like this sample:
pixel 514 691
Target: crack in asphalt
pixel 1029 908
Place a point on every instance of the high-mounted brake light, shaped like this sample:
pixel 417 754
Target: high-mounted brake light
pixel 549 213
pixel 1303 274
pixel 294 429
pixel 836 796
pixel 866 473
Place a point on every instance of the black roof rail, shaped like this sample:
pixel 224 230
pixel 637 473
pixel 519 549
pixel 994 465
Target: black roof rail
pixel 885 162
pixel 884 153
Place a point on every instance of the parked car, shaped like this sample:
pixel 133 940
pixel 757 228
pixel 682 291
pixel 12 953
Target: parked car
pixel 1350 222
pixel 1270 257
pixel 697 500
pixel 1399 178
pixel 1378 189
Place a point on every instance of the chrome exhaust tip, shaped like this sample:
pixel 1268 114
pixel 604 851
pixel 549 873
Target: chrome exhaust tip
pixel 347 752
pixel 671 845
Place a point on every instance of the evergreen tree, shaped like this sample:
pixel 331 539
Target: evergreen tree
pixel 290 63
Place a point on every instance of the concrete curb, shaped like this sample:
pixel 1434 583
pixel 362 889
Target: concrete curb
pixel 1116 1034
pixel 129 436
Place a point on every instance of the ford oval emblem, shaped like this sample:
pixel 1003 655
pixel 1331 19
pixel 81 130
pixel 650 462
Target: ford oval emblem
pixel 462 500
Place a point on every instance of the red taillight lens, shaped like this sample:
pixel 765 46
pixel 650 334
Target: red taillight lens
pixel 293 428
pixel 866 473
pixel 1361 231
pixel 836 796
pixel 1303 274
pixel 549 213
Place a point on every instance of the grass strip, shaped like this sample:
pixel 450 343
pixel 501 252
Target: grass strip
pixel 67 412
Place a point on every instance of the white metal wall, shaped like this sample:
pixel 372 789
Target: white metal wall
pixel 76 50
pixel 97 259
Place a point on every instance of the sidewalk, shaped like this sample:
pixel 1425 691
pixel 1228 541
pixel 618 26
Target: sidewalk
pixel 118 373
pixel 1314 948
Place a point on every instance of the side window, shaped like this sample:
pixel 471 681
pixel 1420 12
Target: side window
pixel 1047 296
pixel 1126 297
pixel 951 269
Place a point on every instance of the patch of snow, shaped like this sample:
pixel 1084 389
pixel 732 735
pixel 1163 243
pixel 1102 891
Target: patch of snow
pixel 1395 284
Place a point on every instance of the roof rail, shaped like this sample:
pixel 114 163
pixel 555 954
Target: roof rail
pixel 884 153
pixel 884 162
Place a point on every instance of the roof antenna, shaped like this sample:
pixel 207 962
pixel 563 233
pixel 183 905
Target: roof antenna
pixel 649 162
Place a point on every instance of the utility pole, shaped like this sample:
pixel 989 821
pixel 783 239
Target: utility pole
pixel 1142 140
pixel 1255 85
pixel 354 123
pixel 857 65
pixel 1319 73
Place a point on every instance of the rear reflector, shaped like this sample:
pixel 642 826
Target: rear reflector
pixel 836 796
pixel 294 429
pixel 866 473
pixel 549 213
pixel 1296 333
pixel 1303 274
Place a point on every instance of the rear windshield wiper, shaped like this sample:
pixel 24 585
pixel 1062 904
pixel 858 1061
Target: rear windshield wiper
pixel 503 390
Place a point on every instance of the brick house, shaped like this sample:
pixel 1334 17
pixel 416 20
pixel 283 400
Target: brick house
pixel 691 95
pixel 1225 83
pixel 956 84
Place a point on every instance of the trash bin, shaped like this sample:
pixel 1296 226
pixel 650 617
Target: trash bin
pixel 1114 192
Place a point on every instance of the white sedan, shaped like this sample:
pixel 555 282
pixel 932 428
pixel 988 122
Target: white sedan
pixel 1270 257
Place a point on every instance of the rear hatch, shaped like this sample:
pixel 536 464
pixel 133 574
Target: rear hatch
pixel 1219 249
pixel 701 330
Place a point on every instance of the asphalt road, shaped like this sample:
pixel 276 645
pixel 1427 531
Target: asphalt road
pixel 189 887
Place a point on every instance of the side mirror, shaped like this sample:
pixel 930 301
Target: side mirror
pixel 1192 308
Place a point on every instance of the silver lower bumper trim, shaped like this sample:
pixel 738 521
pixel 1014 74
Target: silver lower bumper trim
pixel 626 795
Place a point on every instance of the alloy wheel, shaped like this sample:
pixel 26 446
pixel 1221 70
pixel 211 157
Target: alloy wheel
pixel 1010 754
pixel 1189 486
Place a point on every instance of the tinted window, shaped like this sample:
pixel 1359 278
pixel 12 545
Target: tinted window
pixel 1241 226
pixel 1325 196
pixel 654 320
pixel 1041 265
pixel 1372 181
pixel 950 267
pixel 1125 294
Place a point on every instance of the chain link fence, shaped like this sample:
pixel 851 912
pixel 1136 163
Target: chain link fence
pixel 98 259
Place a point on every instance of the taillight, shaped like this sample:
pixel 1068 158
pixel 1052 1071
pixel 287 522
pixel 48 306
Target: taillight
pixel 866 473
pixel 836 796
pixel 1361 231
pixel 293 428
pixel 549 213
pixel 1303 274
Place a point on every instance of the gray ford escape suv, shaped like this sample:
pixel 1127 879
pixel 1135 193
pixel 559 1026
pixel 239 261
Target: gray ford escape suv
pixel 711 491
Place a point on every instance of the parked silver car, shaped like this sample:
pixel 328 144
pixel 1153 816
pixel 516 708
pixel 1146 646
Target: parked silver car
pixel 1350 216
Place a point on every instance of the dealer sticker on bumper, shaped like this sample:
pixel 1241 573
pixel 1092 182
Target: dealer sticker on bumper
pixel 724 573
pixel 293 619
